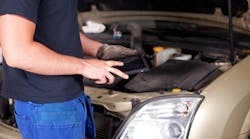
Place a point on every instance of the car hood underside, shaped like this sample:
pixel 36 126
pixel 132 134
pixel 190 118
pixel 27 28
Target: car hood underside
pixel 193 6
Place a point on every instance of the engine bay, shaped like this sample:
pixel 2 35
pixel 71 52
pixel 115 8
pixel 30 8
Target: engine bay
pixel 167 61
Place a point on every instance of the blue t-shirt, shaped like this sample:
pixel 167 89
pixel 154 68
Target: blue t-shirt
pixel 56 28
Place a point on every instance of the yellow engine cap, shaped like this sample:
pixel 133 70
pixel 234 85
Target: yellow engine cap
pixel 176 90
pixel 158 48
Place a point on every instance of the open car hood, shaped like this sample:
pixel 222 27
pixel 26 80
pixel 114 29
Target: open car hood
pixel 207 12
pixel 193 6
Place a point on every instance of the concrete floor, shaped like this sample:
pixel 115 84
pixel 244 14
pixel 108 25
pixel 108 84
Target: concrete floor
pixel 7 132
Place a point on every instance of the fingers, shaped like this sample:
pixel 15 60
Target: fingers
pixel 104 71
pixel 117 72
pixel 109 78
pixel 102 80
pixel 111 63
pixel 129 52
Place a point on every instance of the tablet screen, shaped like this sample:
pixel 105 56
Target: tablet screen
pixel 133 64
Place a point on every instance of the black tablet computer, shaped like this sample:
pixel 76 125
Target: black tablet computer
pixel 133 64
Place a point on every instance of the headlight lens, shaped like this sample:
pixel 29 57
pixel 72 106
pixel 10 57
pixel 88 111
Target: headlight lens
pixel 161 118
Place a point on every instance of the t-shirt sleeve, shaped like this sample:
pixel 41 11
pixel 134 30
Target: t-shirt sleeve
pixel 25 8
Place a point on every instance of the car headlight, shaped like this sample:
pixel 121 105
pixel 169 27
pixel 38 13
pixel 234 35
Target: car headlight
pixel 161 118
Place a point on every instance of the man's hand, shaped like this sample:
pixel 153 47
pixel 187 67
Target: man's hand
pixel 114 51
pixel 102 71
pixel 104 51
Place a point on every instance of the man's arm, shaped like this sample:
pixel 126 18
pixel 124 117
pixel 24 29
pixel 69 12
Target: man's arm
pixel 21 51
pixel 89 47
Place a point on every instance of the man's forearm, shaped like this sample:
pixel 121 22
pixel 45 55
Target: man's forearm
pixel 35 57
pixel 41 60
pixel 90 47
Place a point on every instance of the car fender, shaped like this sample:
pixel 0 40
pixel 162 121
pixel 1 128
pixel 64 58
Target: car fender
pixel 224 113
